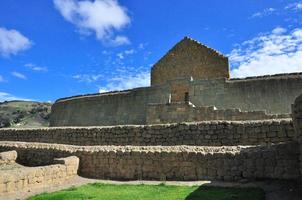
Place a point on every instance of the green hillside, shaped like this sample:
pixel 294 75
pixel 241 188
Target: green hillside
pixel 20 114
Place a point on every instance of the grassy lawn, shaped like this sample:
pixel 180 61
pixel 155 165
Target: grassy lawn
pixel 151 192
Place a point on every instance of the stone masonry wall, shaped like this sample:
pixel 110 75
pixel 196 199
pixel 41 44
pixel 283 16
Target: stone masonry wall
pixel 186 112
pixel 114 108
pixel 170 163
pixel 189 58
pixel 210 133
pixel 273 94
pixel 8 157
pixel 297 120
pixel 19 179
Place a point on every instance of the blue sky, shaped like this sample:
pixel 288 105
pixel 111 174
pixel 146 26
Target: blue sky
pixel 57 48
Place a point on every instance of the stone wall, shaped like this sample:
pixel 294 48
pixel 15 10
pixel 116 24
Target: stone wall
pixel 115 108
pixel 189 58
pixel 179 90
pixel 273 94
pixel 170 163
pixel 187 112
pixel 18 179
pixel 212 133
pixel 8 157
pixel 297 120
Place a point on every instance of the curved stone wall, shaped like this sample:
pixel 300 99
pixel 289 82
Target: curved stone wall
pixel 270 94
pixel 170 163
pixel 214 133
pixel 116 108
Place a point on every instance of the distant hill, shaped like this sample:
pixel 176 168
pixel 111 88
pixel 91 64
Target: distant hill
pixel 20 114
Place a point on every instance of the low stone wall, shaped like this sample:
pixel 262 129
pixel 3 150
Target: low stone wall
pixel 213 133
pixel 170 162
pixel 27 178
pixel 186 112
pixel 8 157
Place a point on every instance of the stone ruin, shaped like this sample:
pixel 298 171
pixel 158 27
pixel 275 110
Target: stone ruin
pixel 15 177
pixel 190 83
pixel 202 125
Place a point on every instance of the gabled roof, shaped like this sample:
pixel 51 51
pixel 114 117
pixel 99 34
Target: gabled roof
pixel 195 42
pixel 186 38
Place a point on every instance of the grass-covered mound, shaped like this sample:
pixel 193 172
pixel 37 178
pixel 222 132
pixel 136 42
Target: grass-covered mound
pixel 152 192
pixel 20 114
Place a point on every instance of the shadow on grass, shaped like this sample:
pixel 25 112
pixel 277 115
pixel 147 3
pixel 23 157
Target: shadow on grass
pixel 220 193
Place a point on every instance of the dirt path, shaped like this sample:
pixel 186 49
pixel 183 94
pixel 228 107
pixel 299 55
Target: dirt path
pixel 274 190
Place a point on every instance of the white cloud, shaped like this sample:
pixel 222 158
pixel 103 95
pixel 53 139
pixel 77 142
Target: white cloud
pixel 103 90
pixel 36 68
pixel 124 82
pixel 142 46
pixel 87 78
pixel 9 97
pixel 119 40
pixel 294 6
pixel 279 51
pixel 263 13
pixel 129 52
pixel 279 30
pixel 19 75
pixel 121 55
pixel 12 42
pixel 102 17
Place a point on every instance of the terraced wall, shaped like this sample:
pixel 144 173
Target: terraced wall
pixel 212 133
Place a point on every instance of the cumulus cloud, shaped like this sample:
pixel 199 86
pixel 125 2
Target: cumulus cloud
pixel 124 82
pixel 12 42
pixel 279 51
pixel 102 17
pixel 19 75
pixel 9 97
pixel 263 13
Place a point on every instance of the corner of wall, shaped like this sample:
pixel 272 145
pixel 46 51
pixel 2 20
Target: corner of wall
pixel 297 122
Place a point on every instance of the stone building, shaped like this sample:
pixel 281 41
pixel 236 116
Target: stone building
pixel 190 83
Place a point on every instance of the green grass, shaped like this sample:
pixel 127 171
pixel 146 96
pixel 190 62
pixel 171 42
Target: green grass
pixel 21 114
pixel 151 192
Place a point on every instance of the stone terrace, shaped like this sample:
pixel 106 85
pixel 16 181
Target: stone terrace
pixel 209 133
pixel 209 150
pixel 169 162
